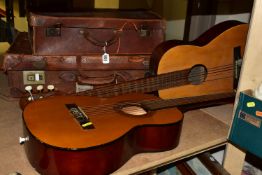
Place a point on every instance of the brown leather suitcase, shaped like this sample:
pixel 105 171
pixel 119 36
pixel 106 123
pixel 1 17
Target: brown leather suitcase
pixel 96 32
pixel 68 74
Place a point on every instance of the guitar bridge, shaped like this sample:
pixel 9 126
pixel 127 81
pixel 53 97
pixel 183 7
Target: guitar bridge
pixel 80 116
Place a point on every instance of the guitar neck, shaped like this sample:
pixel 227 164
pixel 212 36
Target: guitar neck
pixel 189 103
pixel 150 84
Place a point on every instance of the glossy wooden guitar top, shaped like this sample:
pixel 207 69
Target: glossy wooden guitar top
pixel 51 122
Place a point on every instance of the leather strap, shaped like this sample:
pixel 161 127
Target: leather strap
pixel 88 36
pixel 112 78
pixel 96 80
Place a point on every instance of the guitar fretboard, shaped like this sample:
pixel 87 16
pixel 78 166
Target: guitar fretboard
pixel 150 84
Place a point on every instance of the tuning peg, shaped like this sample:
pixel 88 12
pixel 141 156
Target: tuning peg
pixel 50 87
pixel 22 140
pixel 29 99
pixel 29 89
pixel 40 88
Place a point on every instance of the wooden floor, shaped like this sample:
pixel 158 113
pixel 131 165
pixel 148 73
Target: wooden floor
pixel 12 157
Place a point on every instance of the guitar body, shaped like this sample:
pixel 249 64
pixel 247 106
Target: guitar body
pixel 59 145
pixel 216 56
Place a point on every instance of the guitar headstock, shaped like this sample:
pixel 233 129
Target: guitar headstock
pixel 39 94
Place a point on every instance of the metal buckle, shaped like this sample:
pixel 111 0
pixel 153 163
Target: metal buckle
pixel 144 31
pixel 54 31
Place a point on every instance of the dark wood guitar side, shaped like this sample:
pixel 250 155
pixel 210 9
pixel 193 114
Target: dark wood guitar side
pixel 103 133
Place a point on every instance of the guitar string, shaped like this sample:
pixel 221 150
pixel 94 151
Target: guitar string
pixel 98 108
pixel 159 103
pixel 104 105
pixel 179 80
pixel 101 90
pixel 127 87
pixel 170 81
pixel 157 82
pixel 209 81
pixel 183 78
pixel 210 72
pixel 106 88
pixel 152 85
pixel 218 78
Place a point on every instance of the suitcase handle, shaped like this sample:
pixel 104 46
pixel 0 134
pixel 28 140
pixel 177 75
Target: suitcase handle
pixel 113 78
pixel 96 80
pixel 97 42
pixel 108 42
pixel 71 77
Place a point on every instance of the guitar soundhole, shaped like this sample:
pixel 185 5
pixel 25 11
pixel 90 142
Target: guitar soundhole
pixel 197 74
pixel 133 109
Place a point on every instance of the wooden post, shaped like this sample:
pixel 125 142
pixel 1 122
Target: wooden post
pixel 250 78
pixel 234 160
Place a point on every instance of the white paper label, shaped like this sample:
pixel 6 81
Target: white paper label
pixel 249 119
pixel 105 58
pixel 81 88
pixel 37 77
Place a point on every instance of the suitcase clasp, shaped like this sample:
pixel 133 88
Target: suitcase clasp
pixel 144 31
pixel 54 30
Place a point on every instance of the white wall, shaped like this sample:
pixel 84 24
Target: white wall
pixel 201 23
pixel 243 17
pixel 175 29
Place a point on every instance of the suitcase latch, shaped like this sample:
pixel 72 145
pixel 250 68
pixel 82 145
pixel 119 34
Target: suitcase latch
pixel 144 31
pixel 54 30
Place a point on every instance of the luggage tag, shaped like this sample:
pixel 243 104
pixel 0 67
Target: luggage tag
pixel 105 56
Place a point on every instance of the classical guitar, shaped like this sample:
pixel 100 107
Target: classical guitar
pixel 78 135
pixel 204 66
pixel 186 70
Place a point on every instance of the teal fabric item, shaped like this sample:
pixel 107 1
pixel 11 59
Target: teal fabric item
pixel 246 131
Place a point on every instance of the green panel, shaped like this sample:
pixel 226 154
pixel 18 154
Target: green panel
pixel 246 129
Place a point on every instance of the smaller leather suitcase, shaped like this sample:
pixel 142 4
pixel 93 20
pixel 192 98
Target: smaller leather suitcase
pixel 96 32
pixel 67 74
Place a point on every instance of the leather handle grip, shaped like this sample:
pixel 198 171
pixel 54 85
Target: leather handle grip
pixel 91 80
pixel 112 40
pixel 88 36
pixel 96 80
